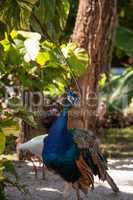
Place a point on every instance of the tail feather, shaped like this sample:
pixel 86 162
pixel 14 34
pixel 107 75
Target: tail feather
pixel 86 180
pixel 100 165
pixel 111 183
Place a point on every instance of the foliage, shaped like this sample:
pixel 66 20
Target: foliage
pixel 7 166
pixel 124 40
pixel 54 18
pixel 13 12
pixel 125 13
pixel 118 142
pixel 124 32
pixel 66 34
pixel 118 92
pixel 102 80
pixel 50 24
pixel 4 165
pixel 32 61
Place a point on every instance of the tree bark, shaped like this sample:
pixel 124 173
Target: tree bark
pixel 94 31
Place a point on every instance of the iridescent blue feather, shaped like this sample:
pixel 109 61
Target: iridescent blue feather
pixel 60 152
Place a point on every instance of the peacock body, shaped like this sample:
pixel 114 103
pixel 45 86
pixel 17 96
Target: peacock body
pixel 60 151
pixel 62 154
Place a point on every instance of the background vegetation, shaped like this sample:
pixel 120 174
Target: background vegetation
pixel 50 63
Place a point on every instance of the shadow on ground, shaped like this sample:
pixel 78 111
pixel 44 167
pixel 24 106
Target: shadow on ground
pixel 52 187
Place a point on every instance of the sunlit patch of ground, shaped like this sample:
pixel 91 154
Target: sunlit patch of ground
pixel 51 188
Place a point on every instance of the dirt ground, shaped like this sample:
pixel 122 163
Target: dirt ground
pixel 52 187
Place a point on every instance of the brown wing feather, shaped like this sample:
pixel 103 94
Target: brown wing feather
pixel 87 141
pixel 86 180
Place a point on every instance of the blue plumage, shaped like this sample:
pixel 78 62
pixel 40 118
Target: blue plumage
pixel 60 151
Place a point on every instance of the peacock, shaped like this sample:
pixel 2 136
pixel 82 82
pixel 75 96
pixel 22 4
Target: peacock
pixel 73 154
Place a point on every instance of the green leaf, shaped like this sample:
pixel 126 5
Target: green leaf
pixel 102 81
pixel 5 43
pixel 2 69
pixel 16 13
pixel 46 44
pixel 53 20
pixel 2 142
pixel 124 40
pixel 9 167
pixel 1 172
pixel 42 58
pixel 13 34
pixel 63 8
pixel 19 46
pixel 119 91
pixel 7 123
pixel 77 58
pixel 13 56
pixel 9 13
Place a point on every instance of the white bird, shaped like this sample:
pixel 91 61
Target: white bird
pixel 35 147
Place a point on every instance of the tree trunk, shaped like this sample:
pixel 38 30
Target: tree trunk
pixel 30 100
pixel 94 31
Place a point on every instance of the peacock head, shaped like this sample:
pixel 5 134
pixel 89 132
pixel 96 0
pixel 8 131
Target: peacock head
pixel 71 100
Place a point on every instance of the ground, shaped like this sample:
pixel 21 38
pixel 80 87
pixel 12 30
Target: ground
pixel 52 187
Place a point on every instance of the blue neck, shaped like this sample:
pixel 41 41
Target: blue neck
pixel 60 125
pixel 59 139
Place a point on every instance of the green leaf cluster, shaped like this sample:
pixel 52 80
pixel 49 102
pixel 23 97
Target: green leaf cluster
pixel 16 14
pixel 46 17
pixel 53 20
pixel 49 66
pixel 118 92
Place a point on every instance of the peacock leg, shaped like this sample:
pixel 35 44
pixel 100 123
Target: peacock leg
pixel 66 191
pixel 78 194
pixel 43 171
pixel 77 191
pixel 34 167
